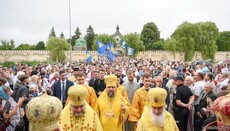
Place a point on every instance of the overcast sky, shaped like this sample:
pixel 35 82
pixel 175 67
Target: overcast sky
pixel 30 21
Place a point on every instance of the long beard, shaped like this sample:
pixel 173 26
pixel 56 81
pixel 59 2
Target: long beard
pixel 111 94
pixel 157 120
pixel 79 114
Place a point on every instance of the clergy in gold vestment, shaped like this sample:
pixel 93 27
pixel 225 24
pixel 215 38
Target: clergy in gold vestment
pixel 78 115
pixel 91 98
pixel 139 100
pixel 154 116
pixel 112 108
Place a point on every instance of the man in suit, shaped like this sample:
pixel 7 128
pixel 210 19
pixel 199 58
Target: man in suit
pixel 61 87
pixel 207 93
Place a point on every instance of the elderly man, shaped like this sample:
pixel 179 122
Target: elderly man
pixel 203 103
pixel 112 108
pixel 221 108
pixel 78 115
pixel 154 116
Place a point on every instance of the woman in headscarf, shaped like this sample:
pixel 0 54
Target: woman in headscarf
pixel 13 115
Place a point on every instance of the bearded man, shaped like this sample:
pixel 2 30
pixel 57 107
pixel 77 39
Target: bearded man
pixel 78 115
pixel 155 117
pixel 112 108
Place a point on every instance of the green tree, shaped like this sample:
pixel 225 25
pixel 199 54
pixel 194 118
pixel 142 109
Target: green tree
pixel 208 37
pixel 40 46
pixel 133 40
pixel 25 47
pixel 7 45
pixel 150 35
pixel 223 41
pixel 77 35
pixel 89 37
pixel 104 38
pixel 62 35
pixel 159 45
pixel 56 46
pixel 52 33
pixel 186 35
pixel 171 45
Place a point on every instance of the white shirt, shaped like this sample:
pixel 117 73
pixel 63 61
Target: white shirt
pixel 199 87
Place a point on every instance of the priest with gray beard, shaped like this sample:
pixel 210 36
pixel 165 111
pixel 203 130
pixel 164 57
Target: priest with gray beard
pixel 155 117
pixel 131 86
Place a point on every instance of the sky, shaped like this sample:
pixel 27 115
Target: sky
pixel 30 21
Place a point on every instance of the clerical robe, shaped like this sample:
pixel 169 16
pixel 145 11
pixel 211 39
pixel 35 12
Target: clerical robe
pixel 91 98
pixel 88 122
pixel 123 92
pixel 145 123
pixel 110 112
pixel 137 107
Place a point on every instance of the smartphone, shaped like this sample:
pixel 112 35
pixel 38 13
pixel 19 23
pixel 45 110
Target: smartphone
pixel 7 107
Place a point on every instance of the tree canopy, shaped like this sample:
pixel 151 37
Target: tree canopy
pixel 7 45
pixel 150 35
pixel 223 41
pixel 89 37
pixel 56 46
pixel 40 46
pixel 189 37
pixel 133 40
pixel 25 47
pixel 52 33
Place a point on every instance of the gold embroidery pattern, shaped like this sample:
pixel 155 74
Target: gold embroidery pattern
pixel 79 124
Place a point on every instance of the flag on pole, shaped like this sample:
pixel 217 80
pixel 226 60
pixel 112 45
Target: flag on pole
pixel 88 56
pixel 130 51
pixel 101 48
pixel 123 43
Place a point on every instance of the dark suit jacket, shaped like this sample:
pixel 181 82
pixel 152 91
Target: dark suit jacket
pixel 57 89
pixel 203 100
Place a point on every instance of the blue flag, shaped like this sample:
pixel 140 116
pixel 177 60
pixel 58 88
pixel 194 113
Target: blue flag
pixel 123 43
pixel 101 48
pixel 110 46
pixel 130 51
pixel 88 56
pixel 110 55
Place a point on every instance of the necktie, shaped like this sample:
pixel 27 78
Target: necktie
pixel 63 90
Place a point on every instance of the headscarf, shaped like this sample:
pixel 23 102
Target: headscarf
pixel 3 94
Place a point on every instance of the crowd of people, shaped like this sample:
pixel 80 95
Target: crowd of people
pixel 124 95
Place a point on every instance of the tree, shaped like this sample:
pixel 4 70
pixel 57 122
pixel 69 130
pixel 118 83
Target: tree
pixel 150 35
pixel 208 37
pixel 223 41
pixel 56 46
pixel 77 35
pixel 159 45
pixel 133 40
pixel 40 46
pixel 89 37
pixel 189 38
pixel 186 35
pixel 25 47
pixel 52 33
pixel 104 38
pixel 171 45
pixel 62 35
pixel 7 45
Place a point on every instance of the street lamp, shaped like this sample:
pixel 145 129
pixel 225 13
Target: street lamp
pixel 70 53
